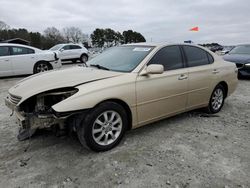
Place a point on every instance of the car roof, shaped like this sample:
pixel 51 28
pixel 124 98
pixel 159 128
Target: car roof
pixel 243 45
pixel 163 44
pixel 158 44
pixel 69 44
pixel 19 45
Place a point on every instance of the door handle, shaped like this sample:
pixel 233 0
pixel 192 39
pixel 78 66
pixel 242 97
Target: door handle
pixel 6 59
pixel 182 77
pixel 215 71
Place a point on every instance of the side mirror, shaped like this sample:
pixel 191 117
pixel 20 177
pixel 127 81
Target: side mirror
pixel 61 50
pixel 153 69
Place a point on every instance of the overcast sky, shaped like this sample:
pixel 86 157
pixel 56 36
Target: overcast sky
pixel 223 21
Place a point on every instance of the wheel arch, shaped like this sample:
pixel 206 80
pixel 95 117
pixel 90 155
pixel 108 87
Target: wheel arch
pixel 225 85
pixel 84 54
pixel 42 61
pixel 124 105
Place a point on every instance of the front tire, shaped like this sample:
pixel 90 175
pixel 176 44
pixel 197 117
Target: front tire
pixel 216 100
pixel 42 67
pixel 103 128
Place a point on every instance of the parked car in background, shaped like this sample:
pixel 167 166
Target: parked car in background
pixel 123 88
pixel 71 52
pixel 240 55
pixel 17 59
pixel 216 47
pixel 226 49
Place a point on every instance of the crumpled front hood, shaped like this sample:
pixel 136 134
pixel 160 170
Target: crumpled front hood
pixel 69 77
pixel 237 58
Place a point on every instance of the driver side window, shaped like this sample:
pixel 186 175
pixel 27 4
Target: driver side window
pixel 170 57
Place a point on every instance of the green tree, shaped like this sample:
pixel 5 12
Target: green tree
pixel 109 36
pixel 98 37
pixel 35 39
pixel 131 36
pixel 119 39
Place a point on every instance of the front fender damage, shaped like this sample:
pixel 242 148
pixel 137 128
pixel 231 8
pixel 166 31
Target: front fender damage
pixel 37 112
pixel 30 122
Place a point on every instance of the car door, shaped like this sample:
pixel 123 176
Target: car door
pixel 162 95
pixel 201 74
pixel 76 51
pixel 66 53
pixel 23 60
pixel 5 61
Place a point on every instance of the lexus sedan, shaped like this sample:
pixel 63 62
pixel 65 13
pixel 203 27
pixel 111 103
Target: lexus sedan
pixel 17 59
pixel 240 55
pixel 123 88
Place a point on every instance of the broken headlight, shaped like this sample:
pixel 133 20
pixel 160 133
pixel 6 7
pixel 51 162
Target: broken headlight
pixel 48 99
pixel 43 102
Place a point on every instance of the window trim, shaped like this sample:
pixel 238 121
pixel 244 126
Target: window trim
pixel 208 54
pixel 182 57
pixel 9 54
pixel 186 60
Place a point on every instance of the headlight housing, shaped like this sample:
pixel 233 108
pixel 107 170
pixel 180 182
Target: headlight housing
pixel 43 102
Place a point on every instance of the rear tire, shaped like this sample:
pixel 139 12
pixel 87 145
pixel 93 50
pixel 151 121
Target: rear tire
pixel 216 101
pixel 103 127
pixel 42 67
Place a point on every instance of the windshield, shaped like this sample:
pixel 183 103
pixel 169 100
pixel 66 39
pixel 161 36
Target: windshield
pixel 243 49
pixel 121 59
pixel 56 47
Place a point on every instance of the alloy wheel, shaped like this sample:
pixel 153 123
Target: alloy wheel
pixel 84 59
pixel 217 99
pixel 107 128
pixel 42 67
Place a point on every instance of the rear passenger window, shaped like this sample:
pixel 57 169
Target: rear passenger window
pixel 196 56
pixel 4 51
pixel 75 47
pixel 21 51
pixel 170 57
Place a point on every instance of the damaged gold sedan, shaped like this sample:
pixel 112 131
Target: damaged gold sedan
pixel 125 87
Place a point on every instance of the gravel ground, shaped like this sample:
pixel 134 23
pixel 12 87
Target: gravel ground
pixel 188 150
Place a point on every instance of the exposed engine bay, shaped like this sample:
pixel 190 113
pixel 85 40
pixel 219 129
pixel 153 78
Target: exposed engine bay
pixel 37 112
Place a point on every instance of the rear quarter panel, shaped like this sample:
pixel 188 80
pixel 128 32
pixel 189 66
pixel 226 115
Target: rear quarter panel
pixel 228 73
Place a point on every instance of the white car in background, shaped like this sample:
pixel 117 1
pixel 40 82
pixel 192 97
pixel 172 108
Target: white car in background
pixel 17 59
pixel 71 52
